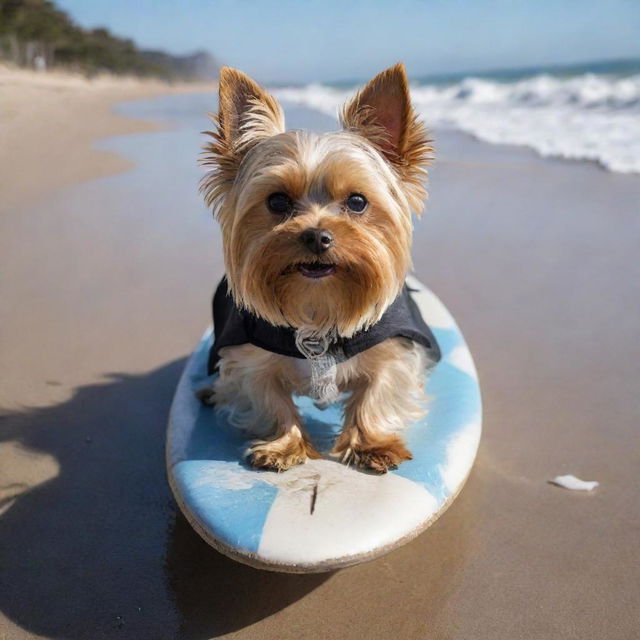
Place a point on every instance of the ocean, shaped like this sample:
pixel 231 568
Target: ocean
pixel 582 112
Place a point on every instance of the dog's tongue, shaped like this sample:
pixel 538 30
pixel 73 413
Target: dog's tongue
pixel 316 269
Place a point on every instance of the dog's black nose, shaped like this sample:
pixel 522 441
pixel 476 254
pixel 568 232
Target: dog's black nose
pixel 316 240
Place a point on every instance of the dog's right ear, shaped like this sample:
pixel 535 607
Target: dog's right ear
pixel 246 115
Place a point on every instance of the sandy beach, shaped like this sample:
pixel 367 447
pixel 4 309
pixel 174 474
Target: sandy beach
pixel 108 263
pixel 49 120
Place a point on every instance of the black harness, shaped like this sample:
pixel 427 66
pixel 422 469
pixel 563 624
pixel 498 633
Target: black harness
pixel 234 326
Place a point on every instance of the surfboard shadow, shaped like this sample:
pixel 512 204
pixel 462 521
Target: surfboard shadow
pixel 94 546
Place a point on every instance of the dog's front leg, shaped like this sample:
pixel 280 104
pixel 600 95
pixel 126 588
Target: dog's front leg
pixel 256 387
pixel 363 442
pixel 386 396
pixel 288 444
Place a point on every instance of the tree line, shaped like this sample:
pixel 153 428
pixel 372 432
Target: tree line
pixel 36 34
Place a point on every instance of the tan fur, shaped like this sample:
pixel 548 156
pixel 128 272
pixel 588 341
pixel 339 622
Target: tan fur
pixel 382 112
pixel 381 153
pixel 246 115
pixel 386 383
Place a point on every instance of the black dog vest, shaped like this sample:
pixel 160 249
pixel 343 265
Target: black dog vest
pixel 234 326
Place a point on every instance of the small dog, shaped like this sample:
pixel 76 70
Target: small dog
pixel 317 232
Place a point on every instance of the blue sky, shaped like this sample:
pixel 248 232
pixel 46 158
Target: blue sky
pixel 312 40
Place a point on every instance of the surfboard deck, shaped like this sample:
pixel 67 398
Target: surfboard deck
pixel 323 515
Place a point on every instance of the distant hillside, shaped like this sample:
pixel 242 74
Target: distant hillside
pixel 198 66
pixel 35 33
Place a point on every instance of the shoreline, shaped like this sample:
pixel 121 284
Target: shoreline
pixel 69 113
pixel 522 148
pixel 49 123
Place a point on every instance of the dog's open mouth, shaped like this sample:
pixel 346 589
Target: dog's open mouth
pixel 316 269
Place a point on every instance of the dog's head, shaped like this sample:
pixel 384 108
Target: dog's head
pixel 317 228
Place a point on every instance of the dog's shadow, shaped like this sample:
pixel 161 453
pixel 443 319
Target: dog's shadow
pixel 100 548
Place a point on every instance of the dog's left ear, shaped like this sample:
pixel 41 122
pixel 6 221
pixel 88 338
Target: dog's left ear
pixel 382 112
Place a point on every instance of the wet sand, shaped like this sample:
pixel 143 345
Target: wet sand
pixel 106 291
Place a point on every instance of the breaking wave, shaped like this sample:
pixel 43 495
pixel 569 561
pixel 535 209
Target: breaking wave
pixel 583 117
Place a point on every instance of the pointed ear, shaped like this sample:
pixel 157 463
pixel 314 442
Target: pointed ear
pixel 246 115
pixel 382 113
pixel 246 110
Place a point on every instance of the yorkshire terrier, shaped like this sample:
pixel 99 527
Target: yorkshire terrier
pixel 316 234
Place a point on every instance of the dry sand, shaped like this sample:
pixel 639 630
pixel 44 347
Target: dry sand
pixel 49 120
pixel 106 290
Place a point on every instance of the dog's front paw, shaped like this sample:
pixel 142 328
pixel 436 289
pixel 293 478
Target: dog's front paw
pixel 280 454
pixel 382 459
pixel 379 455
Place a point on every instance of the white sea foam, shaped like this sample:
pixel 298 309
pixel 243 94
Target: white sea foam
pixel 586 117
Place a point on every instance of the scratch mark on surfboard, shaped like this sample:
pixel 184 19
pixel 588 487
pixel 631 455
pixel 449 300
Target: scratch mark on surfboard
pixel 314 497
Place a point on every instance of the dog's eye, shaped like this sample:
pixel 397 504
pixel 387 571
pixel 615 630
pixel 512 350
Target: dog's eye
pixel 280 203
pixel 357 202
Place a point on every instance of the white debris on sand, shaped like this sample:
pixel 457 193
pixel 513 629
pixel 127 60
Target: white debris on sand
pixel 573 483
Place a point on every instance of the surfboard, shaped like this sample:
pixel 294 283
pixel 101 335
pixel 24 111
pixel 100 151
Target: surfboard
pixel 324 515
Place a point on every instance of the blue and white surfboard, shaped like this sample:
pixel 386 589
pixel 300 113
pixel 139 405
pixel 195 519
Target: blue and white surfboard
pixel 323 515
